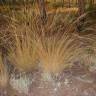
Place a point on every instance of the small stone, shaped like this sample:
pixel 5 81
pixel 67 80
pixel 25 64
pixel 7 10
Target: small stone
pixel 59 84
pixel 66 82
pixel 55 89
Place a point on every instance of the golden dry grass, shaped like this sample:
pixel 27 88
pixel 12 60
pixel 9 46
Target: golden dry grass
pixel 57 47
pixel 53 44
pixel 56 54
pixel 24 54
pixel 4 79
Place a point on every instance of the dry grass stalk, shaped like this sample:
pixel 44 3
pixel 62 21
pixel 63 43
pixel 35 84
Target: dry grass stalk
pixel 56 45
pixel 4 78
pixel 24 55
pixel 57 51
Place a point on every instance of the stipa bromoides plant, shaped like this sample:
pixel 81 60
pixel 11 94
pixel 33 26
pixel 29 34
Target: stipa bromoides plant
pixel 23 56
pixel 57 45
pixel 54 42
pixel 58 52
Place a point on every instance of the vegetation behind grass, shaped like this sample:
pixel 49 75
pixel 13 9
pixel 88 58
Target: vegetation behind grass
pixel 92 12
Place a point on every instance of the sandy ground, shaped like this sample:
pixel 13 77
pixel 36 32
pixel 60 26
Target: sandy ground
pixel 77 81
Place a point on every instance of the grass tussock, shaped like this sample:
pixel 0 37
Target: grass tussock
pixel 54 44
pixel 56 54
pixel 23 55
pixel 57 45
